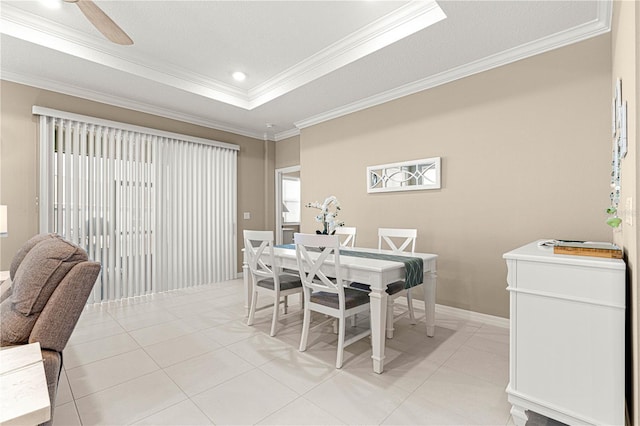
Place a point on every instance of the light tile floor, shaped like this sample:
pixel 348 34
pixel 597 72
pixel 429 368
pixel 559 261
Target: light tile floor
pixel 188 358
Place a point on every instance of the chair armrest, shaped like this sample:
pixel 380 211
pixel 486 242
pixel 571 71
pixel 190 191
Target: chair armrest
pixel 5 289
pixel 60 315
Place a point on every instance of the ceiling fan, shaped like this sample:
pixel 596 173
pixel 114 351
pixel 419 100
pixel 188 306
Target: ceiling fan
pixel 102 22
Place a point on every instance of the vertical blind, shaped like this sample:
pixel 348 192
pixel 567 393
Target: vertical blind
pixel 156 209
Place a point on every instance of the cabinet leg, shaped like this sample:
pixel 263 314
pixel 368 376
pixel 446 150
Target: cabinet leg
pixel 519 415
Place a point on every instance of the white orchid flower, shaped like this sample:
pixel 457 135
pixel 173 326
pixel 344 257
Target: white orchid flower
pixel 315 205
pixel 331 200
pixel 326 216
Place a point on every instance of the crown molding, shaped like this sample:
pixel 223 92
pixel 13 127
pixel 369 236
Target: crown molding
pixel 287 134
pixel 402 22
pixel 37 30
pixel 30 27
pixel 598 26
pixel 119 102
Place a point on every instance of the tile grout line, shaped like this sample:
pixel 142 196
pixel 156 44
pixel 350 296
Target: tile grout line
pixel 233 312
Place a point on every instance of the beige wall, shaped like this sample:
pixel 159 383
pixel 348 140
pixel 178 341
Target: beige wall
pixel 19 156
pixel 288 152
pixel 269 186
pixel 525 155
pixel 626 66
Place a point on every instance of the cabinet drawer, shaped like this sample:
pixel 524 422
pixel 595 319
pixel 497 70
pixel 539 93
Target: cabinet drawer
pixel 579 283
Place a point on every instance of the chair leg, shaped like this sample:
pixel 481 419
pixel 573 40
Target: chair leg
pixel 340 356
pixel 305 329
pixel 276 313
pixel 410 305
pixel 252 310
pixel 354 318
pixel 286 304
pixel 390 303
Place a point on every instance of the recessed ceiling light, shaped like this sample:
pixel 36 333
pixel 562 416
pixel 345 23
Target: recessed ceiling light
pixel 239 76
pixel 51 4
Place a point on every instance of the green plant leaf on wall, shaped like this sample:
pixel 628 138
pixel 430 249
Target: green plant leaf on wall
pixel 614 222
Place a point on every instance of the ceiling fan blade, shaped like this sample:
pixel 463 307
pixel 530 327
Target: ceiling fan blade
pixel 103 23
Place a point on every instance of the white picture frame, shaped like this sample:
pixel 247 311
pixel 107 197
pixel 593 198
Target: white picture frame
pixel 413 175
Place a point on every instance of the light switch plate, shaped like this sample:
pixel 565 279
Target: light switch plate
pixel 629 212
pixel 247 215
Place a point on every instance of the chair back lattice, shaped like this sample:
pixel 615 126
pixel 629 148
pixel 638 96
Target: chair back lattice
pixel 257 244
pixel 350 233
pixel 405 239
pixel 310 263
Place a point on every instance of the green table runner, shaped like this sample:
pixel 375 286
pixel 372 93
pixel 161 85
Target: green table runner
pixel 414 266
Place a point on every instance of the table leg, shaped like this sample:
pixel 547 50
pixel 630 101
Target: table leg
pixel 378 307
pixel 430 302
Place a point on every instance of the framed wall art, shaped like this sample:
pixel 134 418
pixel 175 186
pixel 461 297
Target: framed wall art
pixel 404 176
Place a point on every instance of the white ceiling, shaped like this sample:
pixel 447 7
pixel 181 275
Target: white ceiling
pixel 306 61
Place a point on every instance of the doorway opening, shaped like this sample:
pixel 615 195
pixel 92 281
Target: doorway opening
pixel 288 205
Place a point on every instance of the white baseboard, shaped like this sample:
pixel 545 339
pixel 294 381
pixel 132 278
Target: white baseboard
pixel 473 316
pixel 464 314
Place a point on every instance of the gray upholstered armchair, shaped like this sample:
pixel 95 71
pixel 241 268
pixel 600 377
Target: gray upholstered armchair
pixel 50 281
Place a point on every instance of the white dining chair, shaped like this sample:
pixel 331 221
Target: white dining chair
pixel 349 232
pixel 398 240
pixel 327 294
pixel 258 247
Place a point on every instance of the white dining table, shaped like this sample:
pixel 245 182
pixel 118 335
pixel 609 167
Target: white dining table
pixel 378 274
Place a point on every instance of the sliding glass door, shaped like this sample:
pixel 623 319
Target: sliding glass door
pixel 157 210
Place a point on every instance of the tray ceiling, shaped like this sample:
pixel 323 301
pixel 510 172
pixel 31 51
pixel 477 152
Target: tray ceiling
pixel 305 61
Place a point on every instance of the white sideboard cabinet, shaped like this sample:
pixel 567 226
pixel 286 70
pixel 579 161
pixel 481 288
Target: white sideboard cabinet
pixel 567 318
